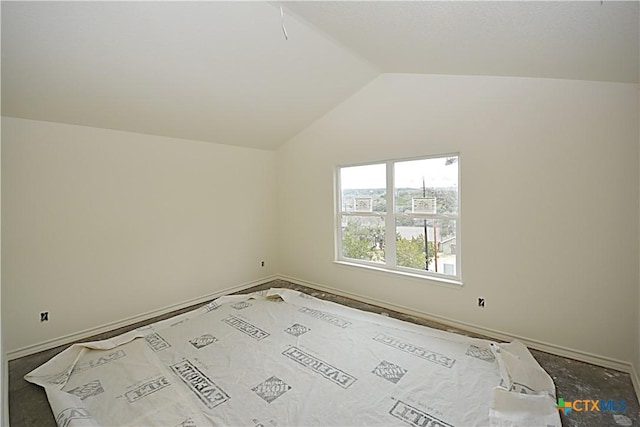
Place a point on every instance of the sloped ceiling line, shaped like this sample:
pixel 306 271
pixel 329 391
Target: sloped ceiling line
pixel 223 72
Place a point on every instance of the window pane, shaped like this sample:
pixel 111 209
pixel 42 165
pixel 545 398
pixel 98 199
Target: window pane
pixel 363 188
pixel 427 186
pixel 363 238
pixel 441 240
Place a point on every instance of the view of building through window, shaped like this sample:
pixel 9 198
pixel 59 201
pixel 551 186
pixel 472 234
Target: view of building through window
pixel 419 205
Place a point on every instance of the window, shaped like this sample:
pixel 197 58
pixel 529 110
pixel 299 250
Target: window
pixel 401 215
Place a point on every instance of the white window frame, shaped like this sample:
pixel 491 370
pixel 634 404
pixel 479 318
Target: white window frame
pixel 390 217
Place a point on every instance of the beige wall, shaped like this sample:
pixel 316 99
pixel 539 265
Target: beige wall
pixel 637 339
pixel 4 368
pixel 101 225
pixel 549 191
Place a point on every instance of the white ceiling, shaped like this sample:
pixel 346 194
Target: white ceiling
pixel 220 72
pixel 223 72
pixel 581 40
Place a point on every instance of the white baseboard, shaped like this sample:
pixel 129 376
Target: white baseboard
pixel 579 355
pixel 67 339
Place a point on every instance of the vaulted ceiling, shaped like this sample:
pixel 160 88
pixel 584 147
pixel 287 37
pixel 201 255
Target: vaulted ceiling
pixel 223 71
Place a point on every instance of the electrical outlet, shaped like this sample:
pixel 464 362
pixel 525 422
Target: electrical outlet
pixel 481 302
pixel 261 263
pixel 44 316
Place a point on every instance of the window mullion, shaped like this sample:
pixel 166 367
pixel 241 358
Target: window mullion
pixel 390 219
pixel 338 216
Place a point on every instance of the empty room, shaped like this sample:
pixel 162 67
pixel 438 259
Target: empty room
pixel 327 213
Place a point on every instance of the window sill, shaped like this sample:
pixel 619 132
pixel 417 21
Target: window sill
pixel 440 281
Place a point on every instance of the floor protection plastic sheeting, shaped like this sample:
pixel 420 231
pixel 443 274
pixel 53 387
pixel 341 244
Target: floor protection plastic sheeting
pixel 281 357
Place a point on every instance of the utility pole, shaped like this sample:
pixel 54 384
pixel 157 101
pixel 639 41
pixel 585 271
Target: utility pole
pixel 426 234
pixel 435 245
